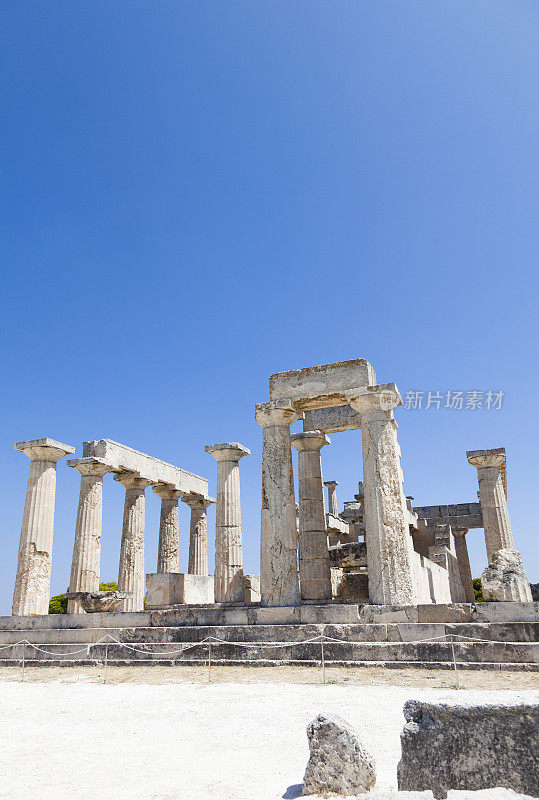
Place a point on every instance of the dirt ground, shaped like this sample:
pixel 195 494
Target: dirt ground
pixel 345 676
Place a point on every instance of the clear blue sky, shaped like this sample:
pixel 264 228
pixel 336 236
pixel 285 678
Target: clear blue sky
pixel 198 194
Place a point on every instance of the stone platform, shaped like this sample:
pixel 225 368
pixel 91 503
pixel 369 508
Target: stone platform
pixel 504 636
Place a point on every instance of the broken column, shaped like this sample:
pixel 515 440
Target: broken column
pixel 504 578
pixel 87 545
pixel 131 573
pixel 333 508
pixel 314 564
pixel 198 536
pixel 387 535
pixel 168 552
pixel 463 560
pixel 32 584
pixel 279 583
pixel 228 545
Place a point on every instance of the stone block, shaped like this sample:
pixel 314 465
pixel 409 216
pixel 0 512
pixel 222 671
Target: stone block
pixel 339 762
pixel 322 385
pixel 469 747
pixel 251 588
pixel 171 588
pixel 504 579
pixel 332 419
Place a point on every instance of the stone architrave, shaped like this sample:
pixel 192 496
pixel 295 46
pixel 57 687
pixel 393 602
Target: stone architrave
pixel 333 507
pixel 314 564
pixel 228 544
pixel 463 560
pixel 87 545
pixel 131 573
pixel 389 544
pixel 168 552
pixel 279 581
pixel 32 584
pixel 498 533
pixel 198 534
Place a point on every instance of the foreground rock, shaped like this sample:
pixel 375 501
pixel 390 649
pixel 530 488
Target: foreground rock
pixel 97 602
pixel 338 763
pixel 469 747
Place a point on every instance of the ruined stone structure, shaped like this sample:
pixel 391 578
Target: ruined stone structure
pixel 379 551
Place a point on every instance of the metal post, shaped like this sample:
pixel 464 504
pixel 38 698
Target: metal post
pixel 323 663
pixel 209 662
pixel 454 660
pixel 23 659
pixel 106 661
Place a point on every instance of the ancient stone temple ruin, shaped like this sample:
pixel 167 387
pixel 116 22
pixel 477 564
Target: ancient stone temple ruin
pixel 376 556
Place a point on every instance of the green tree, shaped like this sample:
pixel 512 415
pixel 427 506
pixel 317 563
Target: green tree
pixel 478 591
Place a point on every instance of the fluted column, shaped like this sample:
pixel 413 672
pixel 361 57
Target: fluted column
pixel 131 575
pixel 87 546
pixel 498 533
pixel 198 534
pixel 389 544
pixel 33 580
pixel 168 552
pixel 279 580
pixel 314 565
pixel 228 545
pixel 333 507
pixel 463 560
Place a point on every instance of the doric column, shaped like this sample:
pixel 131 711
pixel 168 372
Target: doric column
pixel 279 582
pixel 168 552
pixel 333 508
pixel 228 548
pixel 131 575
pixel 87 546
pixel 314 566
pixel 461 552
pixel 389 545
pixel 498 533
pixel 198 534
pixel 33 580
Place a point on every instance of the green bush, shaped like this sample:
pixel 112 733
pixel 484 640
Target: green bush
pixel 478 591
pixel 58 603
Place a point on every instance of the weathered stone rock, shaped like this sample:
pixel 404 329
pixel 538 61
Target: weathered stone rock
pixel 338 762
pixel 469 747
pixel 504 579
pixel 96 602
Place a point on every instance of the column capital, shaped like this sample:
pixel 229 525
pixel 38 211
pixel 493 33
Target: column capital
pixel 277 412
pixel 166 491
pixel 374 400
pixel 198 501
pixel 482 459
pixel 44 449
pixel 132 480
pixel 329 484
pixel 89 466
pixel 309 440
pixel 227 451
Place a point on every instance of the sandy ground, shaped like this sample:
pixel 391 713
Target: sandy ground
pixel 177 739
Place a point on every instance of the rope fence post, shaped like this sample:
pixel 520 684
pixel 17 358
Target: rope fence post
pixel 106 661
pixel 209 661
pixel 454 659
pixel 323 662
pixel 23 659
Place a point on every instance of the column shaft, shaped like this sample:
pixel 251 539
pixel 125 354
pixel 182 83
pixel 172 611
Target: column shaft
pixel 461 552
pixel 168 551
pixel 87 545
pixel 279 580
pixel 389 545
pixel 314 564
pixel 333 507
pixel 131 575
pixel 198 535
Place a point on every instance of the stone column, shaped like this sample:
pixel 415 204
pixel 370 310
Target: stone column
pixel 333 508
pixel 279 580
pixel 389 544
pixel 228 548
pixel 461 552
pixel 87 546
pixel 498 533
pixel 131 574
pixel 168 552
pixel 33 580
pixel 198 534
pixel 314 565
